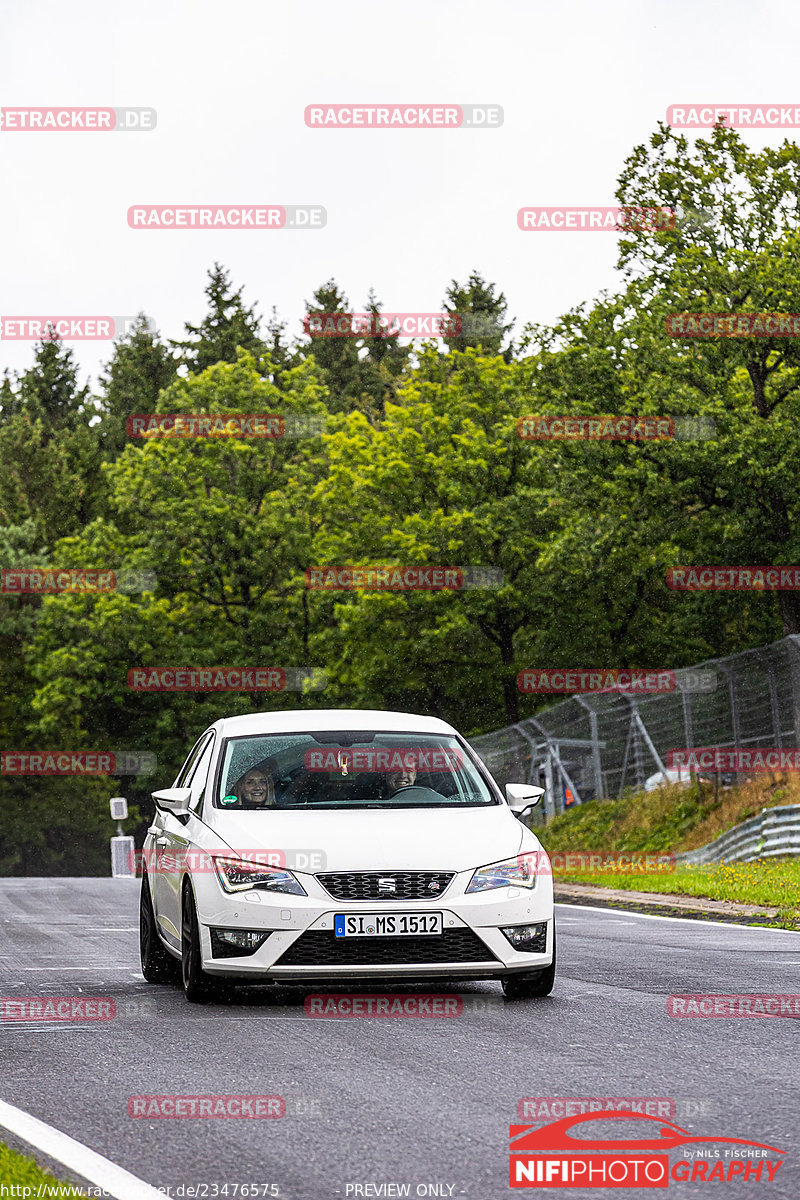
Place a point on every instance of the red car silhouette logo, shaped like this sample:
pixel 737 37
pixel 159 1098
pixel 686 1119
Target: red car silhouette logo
pixel 556 1136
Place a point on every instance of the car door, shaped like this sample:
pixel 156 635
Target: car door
pixel 172 843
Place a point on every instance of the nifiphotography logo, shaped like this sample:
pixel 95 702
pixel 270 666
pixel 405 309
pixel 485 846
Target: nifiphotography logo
pixel 553 1156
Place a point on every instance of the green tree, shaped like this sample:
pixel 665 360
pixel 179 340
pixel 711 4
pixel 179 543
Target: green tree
pixel 739 500
pixel 140 367
pixel 442 480
pixel 337 356
pixel 481 314
pixel 228 325
pixel 281 354
pixel 384 360
pixel 49 452
pixel 49 391
pixel 224 524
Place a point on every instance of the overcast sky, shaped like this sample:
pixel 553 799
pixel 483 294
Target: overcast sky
pixel 580 84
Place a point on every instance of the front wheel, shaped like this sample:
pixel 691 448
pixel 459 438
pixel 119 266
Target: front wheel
pixel 198 986
pixel 538 983
pixel 158 965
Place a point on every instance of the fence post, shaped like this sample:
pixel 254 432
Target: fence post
pixel 773 696
pixel 549 788
pixel 793 650
pixel 533 748
pixel 687 720
pixel 733 700
pixel 597 761
pixel 637 730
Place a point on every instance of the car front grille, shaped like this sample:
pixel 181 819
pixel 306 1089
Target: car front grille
pixel 321 948
pixel 366 885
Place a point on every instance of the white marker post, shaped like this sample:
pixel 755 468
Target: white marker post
pixel 122 859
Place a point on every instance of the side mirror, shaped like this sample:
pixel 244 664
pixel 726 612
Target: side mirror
pixel 522 796
pixel 174 800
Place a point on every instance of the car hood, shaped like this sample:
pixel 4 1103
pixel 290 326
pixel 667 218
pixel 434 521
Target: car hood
pixel 428 839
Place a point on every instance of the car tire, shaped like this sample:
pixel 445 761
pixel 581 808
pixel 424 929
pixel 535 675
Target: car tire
pixel 158 965
pixel 538 983
pixel 198 986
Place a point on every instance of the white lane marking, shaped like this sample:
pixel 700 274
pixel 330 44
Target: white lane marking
pixel 100 1171
pixel 5 1029
pixel 696 921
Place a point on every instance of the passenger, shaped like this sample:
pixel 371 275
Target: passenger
pixel 256 788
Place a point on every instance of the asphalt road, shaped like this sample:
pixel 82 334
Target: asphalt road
pixel 391 1100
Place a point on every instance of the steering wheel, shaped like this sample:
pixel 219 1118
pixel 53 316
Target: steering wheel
pixel 416 792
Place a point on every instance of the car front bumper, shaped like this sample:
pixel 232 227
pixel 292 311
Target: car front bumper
pixel 288 918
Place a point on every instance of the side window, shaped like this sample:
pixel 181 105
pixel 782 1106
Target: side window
pixel 184 778
pixel 199 776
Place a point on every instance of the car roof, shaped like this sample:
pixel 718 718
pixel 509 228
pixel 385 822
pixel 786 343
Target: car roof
pixel 316 719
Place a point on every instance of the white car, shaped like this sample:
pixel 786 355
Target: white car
pixel 342 845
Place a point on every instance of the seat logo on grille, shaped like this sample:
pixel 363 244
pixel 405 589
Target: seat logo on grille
pixel 387 883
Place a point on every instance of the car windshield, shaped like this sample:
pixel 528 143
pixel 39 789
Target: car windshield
pixel 348 769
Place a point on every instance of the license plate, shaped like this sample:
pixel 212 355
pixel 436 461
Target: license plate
pixel 386 924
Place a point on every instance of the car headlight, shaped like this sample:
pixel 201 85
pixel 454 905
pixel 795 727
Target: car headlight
pixel 519 871
pixel 236 875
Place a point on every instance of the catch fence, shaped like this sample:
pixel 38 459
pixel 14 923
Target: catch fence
pixel 597 745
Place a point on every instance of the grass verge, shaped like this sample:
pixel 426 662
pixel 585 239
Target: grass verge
pixel 28 1179
pixel 771 884
pixel 674 819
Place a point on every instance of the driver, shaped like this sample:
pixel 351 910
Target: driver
pixel 396 780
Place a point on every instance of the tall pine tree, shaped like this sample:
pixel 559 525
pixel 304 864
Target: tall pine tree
pixel 49 448
pixel 140 367
pixel 228 324
pixel 483 324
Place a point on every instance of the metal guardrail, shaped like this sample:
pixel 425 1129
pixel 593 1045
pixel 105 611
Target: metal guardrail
pixel 774 832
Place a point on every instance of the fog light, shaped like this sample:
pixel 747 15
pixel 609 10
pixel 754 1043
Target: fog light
pixel 234 943
pixel 530 938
